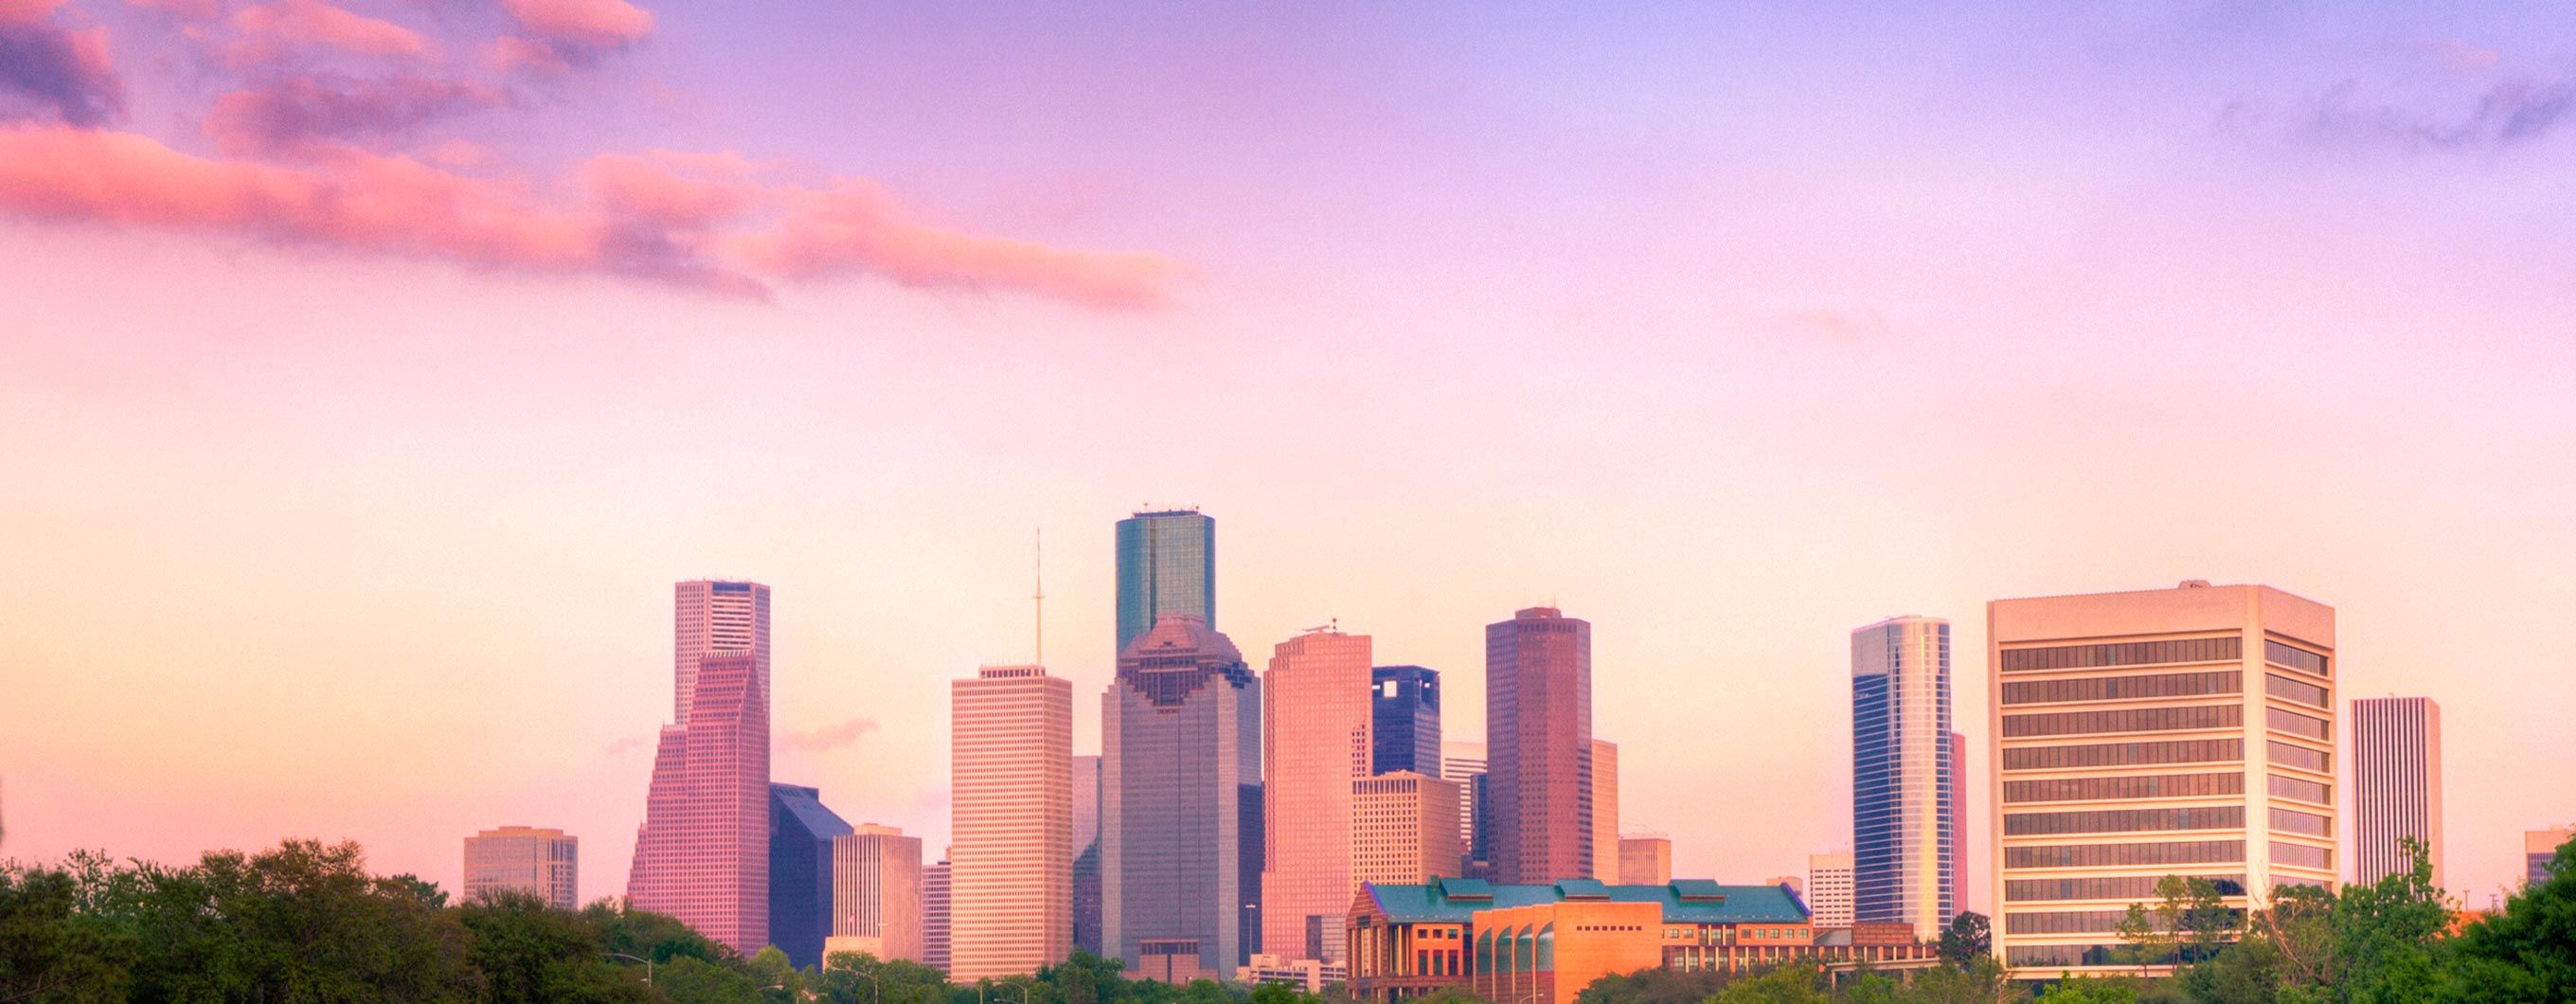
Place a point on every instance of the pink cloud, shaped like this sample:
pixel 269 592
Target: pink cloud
pixel 313 22
pixel 685 190
pixel 829 737
pixel 194 10
pixel 26 12
pixel 62 69
pixel 299 109
pixel 594 23
pixel 854 227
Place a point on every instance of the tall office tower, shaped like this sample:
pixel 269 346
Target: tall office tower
pixel 1829 889
pixel 1011 822
pixel 876 894
pixel 1605 811
pixel 1086 800
pixel 1959 816
pixel 1645 859
pixel 1086 853
pixel 1166 565
pixel 2539 848
pixel 1180 803
pixel 801 832
pixel 702 854
pixel 1464 763
pixel 2185 731
pixel 542 863
pixel 935 918
pixel 1404 829
pixel 1404 720
pixel 715 617
pixel 2396 785
pixel 1538 744
pixel 1901 798
pixel 1315 723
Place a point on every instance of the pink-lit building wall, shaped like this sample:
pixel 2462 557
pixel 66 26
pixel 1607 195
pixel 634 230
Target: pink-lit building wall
pixel 1316 738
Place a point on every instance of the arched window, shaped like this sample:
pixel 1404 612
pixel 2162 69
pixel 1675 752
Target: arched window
pixel 1546 948
pixel 1484 951
pixel 1525 957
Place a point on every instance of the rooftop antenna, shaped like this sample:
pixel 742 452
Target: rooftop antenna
pixel 1040 596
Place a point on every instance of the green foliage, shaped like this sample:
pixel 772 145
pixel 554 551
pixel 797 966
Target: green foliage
pixel 2082 990
pixel 1968 938
pixel 1655 986
pixel 1785 985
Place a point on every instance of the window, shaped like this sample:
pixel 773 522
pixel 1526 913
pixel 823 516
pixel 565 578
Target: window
pixel 2297 724
pixel 2301 757
pixel 2296 658
pixel 2119 887
pixel 2086 789
pixel 2068 922
pixel 2117 754
pixel 2135 653
pixel 2294 821
pixel 2301 855
pixel 2219 817
pixel 2296 690
pixel 2201 716
pixel 2305 791
pixel 2180 852
pixel 2124 688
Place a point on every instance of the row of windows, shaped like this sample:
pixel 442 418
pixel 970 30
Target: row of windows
pixel 2297 724
pixel 2131 653
pixel 2294 821
pixel 2301 757
pixel 2124 688
pixel 2125 754
pixel 2070 922
pixel 2112 887
pixel 2215 817
pixel 2296 690
pixel 2305 791
pixel 2175 852
pixel 2199 716
pixel 2085 789
pixel 2296 658
pixel 2301 855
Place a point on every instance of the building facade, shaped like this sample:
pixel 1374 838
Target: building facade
pixel 1181 804
pixel 1404 720
pixel 702 854
pixel 542 863
pixel 1538 746
pixel 1404 829
pixel 1166 565
pixel 1959 816
pixel 936 926
pixel 1645 859
pixel 1464 763
pixel 801 831
pixel 1605 811
pixel 1011 822
pixel 1901 773
pixel 1316 712
pixel 876 894
pixel 1086 853
pixel 1829 888
pixel 2396 785
pixel 2539 848
pixel 2185 731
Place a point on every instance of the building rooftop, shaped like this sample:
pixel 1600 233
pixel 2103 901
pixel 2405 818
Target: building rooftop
pixel 1700 901
pixel 806 804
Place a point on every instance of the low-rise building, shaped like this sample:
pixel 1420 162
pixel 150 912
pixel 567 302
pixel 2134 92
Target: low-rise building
pixel 1309 975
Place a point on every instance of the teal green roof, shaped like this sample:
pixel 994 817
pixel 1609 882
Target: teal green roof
pixel 1694 901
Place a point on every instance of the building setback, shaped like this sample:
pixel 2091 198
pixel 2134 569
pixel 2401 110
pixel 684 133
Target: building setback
pixel 1464 763
pixel 702 854
pixel 1011 822
pixel 876 894
pixel 1404 829
pixel 1315 740
pixel 545 864
pixel 1538 745
pixel 1181 805
pixel 1901 774
pixel 801 831
pixel 1404 720
pixel 2185 731
pixel 1166 565
pixel 2396 785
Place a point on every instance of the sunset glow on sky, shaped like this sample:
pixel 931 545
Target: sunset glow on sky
pixel 370 370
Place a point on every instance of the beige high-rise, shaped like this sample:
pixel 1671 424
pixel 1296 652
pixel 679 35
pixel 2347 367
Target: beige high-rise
pixel 1404 829
pixel 1315 739
pixel 876 894
pixel 1011 822
pixel 1829 889
pixel 2396 785
pixel 542 863
pixel 1605 811
pixel 2185 731
pixel 1645 859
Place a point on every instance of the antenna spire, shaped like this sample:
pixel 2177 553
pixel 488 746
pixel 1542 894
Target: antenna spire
pixel 1040 596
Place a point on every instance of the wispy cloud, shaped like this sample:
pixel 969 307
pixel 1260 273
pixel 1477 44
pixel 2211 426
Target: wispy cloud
pixel 60 69
pixel 298 109
pixel 630 744
pixel 827 738
pixel 267 28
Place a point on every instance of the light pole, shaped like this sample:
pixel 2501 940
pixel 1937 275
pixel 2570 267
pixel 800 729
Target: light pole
pixel 648 965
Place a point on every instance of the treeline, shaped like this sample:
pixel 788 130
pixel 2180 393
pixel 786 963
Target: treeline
pixel 306 922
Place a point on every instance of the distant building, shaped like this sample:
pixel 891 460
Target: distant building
pixel 702 854
pixel 1959 816
pixel 1605 811
pixel 2396 785
pixel 1404 713
pixel 1464 763
pixel 2539 848
pixel 1829 888
pixel 1181 804
pixel 801 832
pixel 1086 856
pixel 1645 859
pixel 541 863
pixel 1404 829
pixel 1315 740
pixel 1309 975
pixel 1011 811
pixel 1538 744
pixel 1902 800
pixel 1796 885
pixel 876 894
pixel 1086 800
pixel 935 917
pixel 1166 565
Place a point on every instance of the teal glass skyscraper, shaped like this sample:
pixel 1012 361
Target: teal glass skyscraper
pixel 1904 809
pixel 1166 565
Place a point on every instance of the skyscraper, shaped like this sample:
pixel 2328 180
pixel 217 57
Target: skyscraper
pixel 545 864
pixel 1829 888
pixel 801 832
pixel 1316 712
pixel 1645 859
pixel 2126 727
pixel 1086 853
pixel 876 894
pixel 1901 773
pixel 702 854
pixel 1011 812
pixel 1404 829
pixel 1180 798
pixel 1166 565
pixel 1605 811
pixel 1463 762
pixel 935 919
pixel 2539 848
pixel 1959 816
pixel 1086 800
pixel 1538 744
pixel 1404 720
pixel 2396 784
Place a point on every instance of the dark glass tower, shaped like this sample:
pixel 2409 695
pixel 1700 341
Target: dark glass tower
pixel 1538 746
pixel 1404 720
pixel 800 871
pixel 1902 804
pixel 1166 565
pixel 1180 800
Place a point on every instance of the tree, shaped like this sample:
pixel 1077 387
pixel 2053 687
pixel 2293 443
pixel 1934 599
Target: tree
pixel 1789 984
pixel 2527 951
pixel 47 950
pixel 1969 937
pixel 529 952
pixel 2085 990
pixel 692 980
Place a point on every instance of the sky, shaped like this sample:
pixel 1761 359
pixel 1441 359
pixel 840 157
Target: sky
pixel 369 371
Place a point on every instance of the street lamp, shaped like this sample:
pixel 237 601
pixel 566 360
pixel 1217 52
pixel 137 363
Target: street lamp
pixel 648 965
